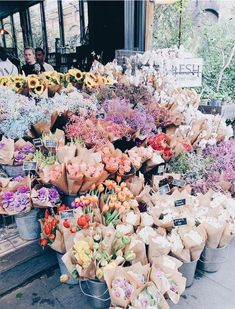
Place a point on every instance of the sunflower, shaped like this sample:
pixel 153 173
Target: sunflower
pixel 39 89
pixel 33 82
pixel 109 80
pixel 78 75
pixel 89 83
pixel 18 85
pixel 91 76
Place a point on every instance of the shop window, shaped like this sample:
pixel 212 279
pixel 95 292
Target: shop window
pixel 36 25
pixel 8 26
pixel 52 23
pixel 19 36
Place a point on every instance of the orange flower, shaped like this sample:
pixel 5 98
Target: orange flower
pixel 121 196
pixel 105 208
pixel 118 205
pixel 118 189
pixel 83 221
pixel 100 188
pixel 111 205
pixel 93 187
pixel 119 179
pixel 123 185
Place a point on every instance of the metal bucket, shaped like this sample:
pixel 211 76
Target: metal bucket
pixel 68 199
pixel 28 225
pixel 64 270
pixel 97 293
pixel 188 271
pixel 212 259
pixel 13 170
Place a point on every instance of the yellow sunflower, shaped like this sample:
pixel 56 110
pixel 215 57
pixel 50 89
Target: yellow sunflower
pixel 33 82
pixel 78 75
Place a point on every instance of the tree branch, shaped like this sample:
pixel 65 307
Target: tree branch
pixel 225 66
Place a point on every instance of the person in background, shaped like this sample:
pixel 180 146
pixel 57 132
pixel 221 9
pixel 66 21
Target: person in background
pixel 6 66
pixel 31 66
pixel 40 57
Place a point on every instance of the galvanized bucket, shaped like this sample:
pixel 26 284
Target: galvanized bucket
pixel 68 199
pixel 212 259
pixel 28 225
pixel 188 271
pixel 97 293
pixel 64 270
pixel 13 170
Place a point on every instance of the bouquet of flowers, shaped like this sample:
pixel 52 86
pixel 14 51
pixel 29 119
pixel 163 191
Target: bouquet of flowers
pixel 45 197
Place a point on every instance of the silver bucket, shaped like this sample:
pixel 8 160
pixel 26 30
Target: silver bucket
pixel 13 170
pixel 68 199
pixel 97 293
pixel 212 259
pixel 64 270
pixel 188 271
pixel 28 225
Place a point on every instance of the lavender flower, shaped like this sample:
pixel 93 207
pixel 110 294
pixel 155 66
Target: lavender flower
pixel 26 149
pixel 19 178
pixel 1 145
pixel 22 201
pixel 42 194
pixel 19 157
pixel 54 195
pixel 23 189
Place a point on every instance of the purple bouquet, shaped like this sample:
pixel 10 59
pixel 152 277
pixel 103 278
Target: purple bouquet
pixel 16 202
pixel 45 197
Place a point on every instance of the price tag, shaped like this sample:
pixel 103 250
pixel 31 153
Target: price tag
pixel 178 183
pixel 30 166
pixel 161 169
pixel 100 116
pixel 65 214
pixel 181 202
pixel 180 221
pixel 164 189
pixel 37 142
pixel 50 143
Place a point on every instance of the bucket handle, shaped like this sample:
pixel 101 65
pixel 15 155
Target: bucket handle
pixel 217 262
pixel 93 296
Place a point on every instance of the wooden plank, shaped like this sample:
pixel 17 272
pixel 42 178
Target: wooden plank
pixel 20 255
pixel 149 25
pixel 21 273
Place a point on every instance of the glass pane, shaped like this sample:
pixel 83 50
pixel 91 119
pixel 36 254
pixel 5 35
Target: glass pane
pixel 52 23
pixel 19 36
pixel 71 22
pixel 36 25
pixel 7 26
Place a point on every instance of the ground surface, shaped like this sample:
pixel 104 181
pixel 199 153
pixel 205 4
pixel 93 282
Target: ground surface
pixel 209 291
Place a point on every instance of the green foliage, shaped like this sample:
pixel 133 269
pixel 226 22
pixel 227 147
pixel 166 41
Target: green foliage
pixel 213 41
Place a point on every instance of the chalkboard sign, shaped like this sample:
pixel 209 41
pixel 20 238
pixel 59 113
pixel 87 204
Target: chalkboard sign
pixel 100 116
pixel 164 189
pixel 30 166
pixel 180 221
pixel 37 142
pixel 65 214
pixel 181 202
pixel 208 109
pixel 178 183
pixel 51 143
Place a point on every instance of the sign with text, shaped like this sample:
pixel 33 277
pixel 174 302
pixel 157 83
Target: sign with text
pixel 181 202
pixel 65 214
pixel 30 166
pixel 37 142
pixel 180 221
pixel 179 183
pixel 164 189
pixel 187 71
pixel 51 143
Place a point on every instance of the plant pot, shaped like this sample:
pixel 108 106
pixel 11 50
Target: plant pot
pixel 97 293
pixel 28 225
pixel 212 259
pixel 64 270
pixel 68 199
pixel 13 170
pixel 188 271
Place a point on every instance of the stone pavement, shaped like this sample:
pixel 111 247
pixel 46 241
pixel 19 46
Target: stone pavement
pixel 209 291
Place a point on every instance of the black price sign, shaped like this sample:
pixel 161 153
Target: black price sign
pixel 65 214
pixel 178 183
pixel 181 202
pixel 180 221
pixel 164 189
pixel 30 166
pixel 50 143
pixel 100 116
pixel 37 142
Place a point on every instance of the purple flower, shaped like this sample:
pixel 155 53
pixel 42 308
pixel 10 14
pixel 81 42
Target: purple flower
pixel 22 201
pixel 8 197
pixel 26 149
pixel 23 189
pixel 2 145
pixel 54 196
pixel 19 157
pixel 42 194
pixel 19 178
